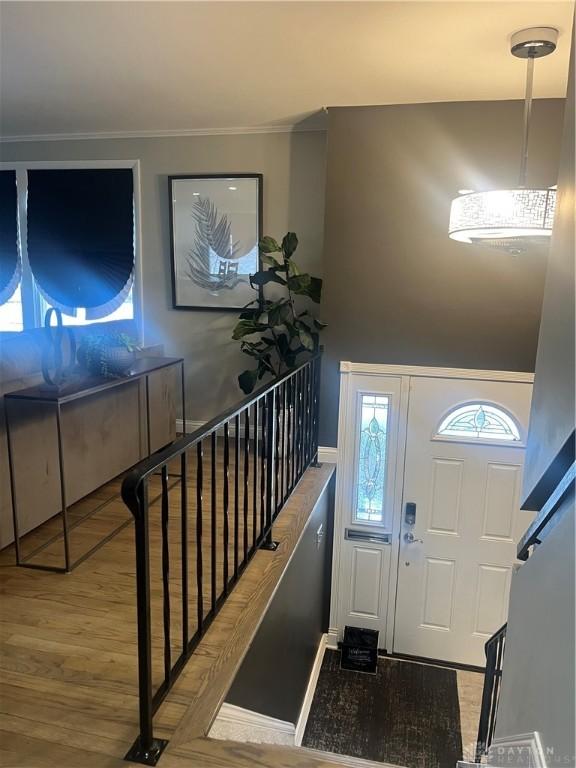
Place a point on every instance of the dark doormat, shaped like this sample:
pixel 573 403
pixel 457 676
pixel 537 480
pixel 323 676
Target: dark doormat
pixel 406 714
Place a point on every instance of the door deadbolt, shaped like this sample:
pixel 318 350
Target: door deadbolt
pixel 410 513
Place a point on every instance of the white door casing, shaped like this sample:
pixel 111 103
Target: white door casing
pixel 366 574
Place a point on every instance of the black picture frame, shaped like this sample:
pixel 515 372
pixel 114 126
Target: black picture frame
pixel 225 299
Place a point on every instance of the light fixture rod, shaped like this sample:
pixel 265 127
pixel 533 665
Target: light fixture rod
pixel 527 114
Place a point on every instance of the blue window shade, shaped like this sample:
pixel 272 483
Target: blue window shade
pixel 9 253
pixel 81 236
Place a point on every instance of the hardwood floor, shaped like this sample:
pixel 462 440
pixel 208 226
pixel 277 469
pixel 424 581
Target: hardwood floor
pixel 68 664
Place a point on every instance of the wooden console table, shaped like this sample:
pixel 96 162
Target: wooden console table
pixel 94 428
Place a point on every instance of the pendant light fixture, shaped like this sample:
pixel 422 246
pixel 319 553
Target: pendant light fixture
pixel 511 219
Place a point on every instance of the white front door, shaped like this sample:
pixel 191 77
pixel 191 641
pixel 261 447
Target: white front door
pixel 462 490
pixel 427 507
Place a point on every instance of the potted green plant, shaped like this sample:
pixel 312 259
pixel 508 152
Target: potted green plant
pixel 107 354
pixel 275 333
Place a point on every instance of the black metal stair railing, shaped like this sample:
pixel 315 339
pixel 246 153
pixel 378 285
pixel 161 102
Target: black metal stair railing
pixel 491 692
pixel 232 476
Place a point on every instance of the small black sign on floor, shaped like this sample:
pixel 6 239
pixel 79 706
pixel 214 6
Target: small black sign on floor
pixel 359 650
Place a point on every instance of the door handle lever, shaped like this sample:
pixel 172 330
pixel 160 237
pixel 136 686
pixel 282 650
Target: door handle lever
pixel 409 538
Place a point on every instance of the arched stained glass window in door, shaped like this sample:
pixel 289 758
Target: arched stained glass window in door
pixel 479 421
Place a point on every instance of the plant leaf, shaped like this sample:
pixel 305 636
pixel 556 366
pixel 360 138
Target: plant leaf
pixel 267 244
pixel 279 314
pixel 250 314
pixel 246 328
pixel 265 366
pixel 266 276
pixel 289 244
pixel 293 270
pixel 292 329
pixel 306 339
pixel 247 381
pixel 270 261
pixel 305 285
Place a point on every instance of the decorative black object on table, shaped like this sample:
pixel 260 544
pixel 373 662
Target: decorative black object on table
pixel 76 389
pixel 53 350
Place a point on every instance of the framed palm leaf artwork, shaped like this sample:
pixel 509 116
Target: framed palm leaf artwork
pixel 215 226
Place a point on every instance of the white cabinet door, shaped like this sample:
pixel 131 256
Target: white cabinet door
pixel 464 458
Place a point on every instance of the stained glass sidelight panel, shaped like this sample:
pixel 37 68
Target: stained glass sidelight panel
pixel 372 456
pixel 479 421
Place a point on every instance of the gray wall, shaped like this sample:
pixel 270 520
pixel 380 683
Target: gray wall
pixel 552 412
pixel 293 167
pixel 396 288
pixel 274 674
pixel 538 690
pixel 538 671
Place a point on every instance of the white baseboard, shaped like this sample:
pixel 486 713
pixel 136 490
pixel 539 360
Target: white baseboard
pixel 327 455
pixel 332 639
pixel 238 724
pixel 191 426
pixel 522 751
pixel 309 695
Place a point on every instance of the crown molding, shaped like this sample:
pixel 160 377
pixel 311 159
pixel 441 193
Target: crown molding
pixel 378 369
pixel 167 134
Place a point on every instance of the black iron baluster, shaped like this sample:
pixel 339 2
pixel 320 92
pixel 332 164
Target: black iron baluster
pixel 277 402
pixel 289 438
pixel 246 481
pixel 184 536
pixel 166 578
pixel 213 521
pixel 145 746
pixel 305 415
pixel 494 649
pixel 304 419
pixel 311 408
pixel 298 457
pixel 485 709
pixel 199 563
pixel 291 434
pixel 315 438
pixel 263 452
pixel 270 401
pixel 225 493
pixel 255 447
pixel 496 691
pixel 310 396
pixel 283 464
pixel 236 490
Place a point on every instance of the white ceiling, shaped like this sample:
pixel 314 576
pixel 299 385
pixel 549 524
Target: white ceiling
pixel 161 67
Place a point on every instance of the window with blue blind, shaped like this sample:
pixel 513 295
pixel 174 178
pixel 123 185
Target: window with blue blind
pixel 9 250
pixel 79 246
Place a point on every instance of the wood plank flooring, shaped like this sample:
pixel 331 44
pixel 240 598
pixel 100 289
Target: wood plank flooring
pixel 68 665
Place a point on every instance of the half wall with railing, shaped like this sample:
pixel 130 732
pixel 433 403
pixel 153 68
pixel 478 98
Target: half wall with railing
pixel 216 495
